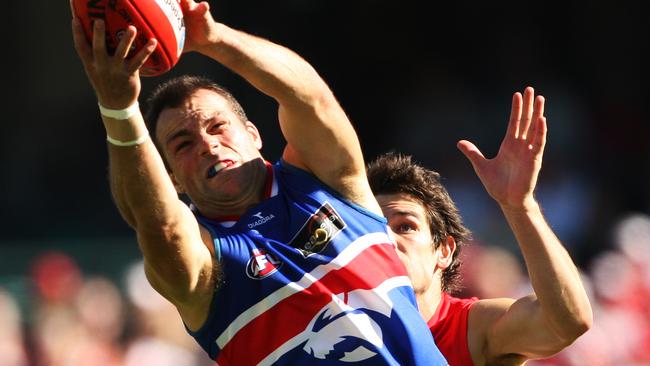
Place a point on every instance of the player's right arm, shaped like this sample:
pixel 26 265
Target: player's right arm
pixel 176 250
pixel 320 137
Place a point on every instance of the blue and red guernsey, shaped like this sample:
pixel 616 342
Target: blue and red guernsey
pixel 310 278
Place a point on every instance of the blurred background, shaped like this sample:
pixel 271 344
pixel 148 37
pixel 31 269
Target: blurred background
pixel 412 78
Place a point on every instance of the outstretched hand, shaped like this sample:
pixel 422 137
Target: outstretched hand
pixel 115 78
pixel 200 31
pixel 510 177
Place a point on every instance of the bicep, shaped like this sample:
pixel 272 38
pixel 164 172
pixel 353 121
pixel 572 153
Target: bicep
pixel 516 328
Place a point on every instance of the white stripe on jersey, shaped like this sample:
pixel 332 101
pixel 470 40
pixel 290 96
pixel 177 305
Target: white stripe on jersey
pixel 345 257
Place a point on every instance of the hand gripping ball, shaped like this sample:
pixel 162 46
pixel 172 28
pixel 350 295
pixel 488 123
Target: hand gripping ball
pixel 160 19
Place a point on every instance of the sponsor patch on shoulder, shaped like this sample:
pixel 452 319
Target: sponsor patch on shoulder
pixel 318 231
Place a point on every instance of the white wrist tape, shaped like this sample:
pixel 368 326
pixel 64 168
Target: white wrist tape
pixel 125 113
pixel 137 141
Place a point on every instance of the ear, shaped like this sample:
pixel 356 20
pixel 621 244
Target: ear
pixel 445 252
pixel 255 134
pixel 178 186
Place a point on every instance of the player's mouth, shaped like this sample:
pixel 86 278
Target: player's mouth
pixel 215 169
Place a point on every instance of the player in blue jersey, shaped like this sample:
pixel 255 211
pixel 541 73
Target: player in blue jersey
pixel 287 263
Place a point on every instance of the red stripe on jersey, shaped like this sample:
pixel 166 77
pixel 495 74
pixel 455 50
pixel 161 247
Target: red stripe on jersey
pixel 292 315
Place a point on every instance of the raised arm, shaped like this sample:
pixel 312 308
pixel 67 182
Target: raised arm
pixel 178 263
pixel 545 322
pixel 320 138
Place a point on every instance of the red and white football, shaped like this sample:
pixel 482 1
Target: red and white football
pixel 160 19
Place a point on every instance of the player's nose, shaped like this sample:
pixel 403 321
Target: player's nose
pixel 398 240
pixel 209 145
pixel 400 246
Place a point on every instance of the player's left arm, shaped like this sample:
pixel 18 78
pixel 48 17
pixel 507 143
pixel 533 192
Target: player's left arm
pixel 319 135
pixel 558 312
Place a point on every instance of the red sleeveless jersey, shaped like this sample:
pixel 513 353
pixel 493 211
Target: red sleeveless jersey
pixel 448 326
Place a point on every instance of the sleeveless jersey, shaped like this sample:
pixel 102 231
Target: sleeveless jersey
pixel 309 278
pixel 448 326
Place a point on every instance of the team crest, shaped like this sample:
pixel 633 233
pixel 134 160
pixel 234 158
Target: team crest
pixel 262 264
pixel 318 231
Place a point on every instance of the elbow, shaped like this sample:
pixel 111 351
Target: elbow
pixel 584 322
pixel 313 96
pixel 566 336
pixel 583 319
pixel 324 100
pixel 579 325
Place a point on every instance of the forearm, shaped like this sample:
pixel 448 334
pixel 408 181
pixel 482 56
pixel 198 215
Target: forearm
pixel 554 277
pixel 271 68
pixel 168 235
pixel 146 198
pixel 141 187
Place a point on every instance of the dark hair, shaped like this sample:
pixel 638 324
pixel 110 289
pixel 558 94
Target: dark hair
pixel 173 92
pixel 393 173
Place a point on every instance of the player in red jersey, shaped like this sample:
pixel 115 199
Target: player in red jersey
pixel 429 231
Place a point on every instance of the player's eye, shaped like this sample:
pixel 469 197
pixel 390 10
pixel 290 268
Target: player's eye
pixel 216 127
pixel 181 146
pixel 404 228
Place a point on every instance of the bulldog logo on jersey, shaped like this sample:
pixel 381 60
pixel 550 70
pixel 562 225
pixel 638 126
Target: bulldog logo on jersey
pixel 318 231
pixel 262 264
pixel 340 332
pixel 344 331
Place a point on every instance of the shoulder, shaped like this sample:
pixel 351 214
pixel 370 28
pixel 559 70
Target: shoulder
pixel 485 310
pixel 484 313
pixel 449 328
pixel 460 304
pixel 451 312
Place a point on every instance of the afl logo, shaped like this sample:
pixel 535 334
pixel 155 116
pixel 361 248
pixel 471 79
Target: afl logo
pixel 262 264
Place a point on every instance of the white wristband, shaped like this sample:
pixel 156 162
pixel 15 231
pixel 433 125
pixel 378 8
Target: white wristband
pixel 121 114
pixel 135 142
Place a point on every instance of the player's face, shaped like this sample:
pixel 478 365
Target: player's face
pixel 408 222
pixel 213 155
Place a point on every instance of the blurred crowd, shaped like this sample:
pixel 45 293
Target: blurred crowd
pixel 73 318
pixel 77 319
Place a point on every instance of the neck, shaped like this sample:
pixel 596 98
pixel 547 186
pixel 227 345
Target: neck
pixel 429 299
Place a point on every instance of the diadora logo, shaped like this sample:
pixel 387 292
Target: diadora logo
pixel 262 264
pixel 260 220
pixel 318 231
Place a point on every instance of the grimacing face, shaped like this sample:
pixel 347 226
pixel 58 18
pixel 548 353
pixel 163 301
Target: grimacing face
pixel 208 147
pixel 407 220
